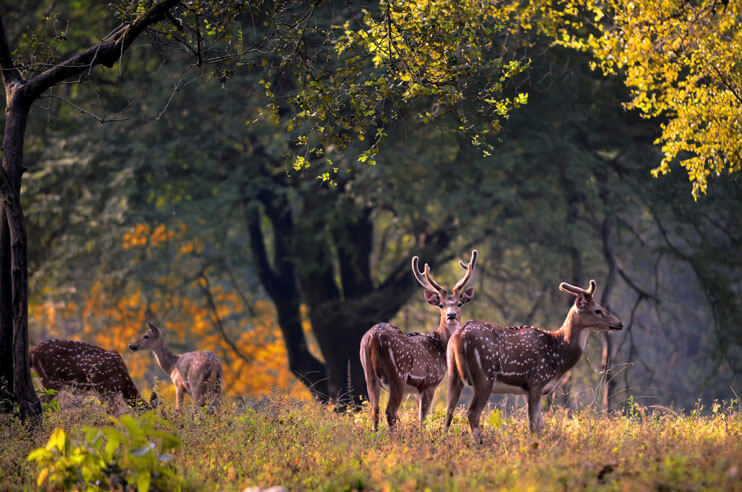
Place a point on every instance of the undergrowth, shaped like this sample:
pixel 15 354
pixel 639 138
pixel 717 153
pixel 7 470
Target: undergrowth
pixel 308 446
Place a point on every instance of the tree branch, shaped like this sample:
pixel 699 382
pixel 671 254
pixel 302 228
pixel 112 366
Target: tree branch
pixel 105 53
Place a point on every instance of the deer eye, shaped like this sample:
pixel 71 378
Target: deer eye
pixel 440 306
pixel 598 311
pixel 146 336
pixel 459 304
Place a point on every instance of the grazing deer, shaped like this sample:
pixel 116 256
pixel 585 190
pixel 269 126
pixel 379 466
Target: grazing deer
pixel 522 359
pixel 416 362
pixel 198 373
pixel 62 363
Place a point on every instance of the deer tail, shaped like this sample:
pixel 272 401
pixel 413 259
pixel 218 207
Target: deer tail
pixel 456 360
pixel 370 356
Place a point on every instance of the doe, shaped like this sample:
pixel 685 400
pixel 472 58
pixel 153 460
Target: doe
pixel 416 362
pixel 62 363
pixel 522 359
pixel 198 373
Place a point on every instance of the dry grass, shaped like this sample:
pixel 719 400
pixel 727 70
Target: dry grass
pixel 278 441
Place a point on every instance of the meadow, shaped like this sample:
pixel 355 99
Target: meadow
pixel 307 446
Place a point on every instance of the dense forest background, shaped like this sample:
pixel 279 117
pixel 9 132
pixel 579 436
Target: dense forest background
pixel 170 189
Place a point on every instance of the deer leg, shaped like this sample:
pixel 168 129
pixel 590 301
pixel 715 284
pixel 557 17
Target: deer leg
pixel 535 417
pixel 482 390
pixel 423 403
pixel 396 392
pixel 373 388
pixel 455 385
pixel 179 394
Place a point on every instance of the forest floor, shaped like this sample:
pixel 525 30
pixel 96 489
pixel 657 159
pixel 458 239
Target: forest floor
pixel 308 446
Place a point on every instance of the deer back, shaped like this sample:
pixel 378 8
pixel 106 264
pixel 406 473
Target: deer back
pixel 62 363
pixel 416 358
pixel 200 367
pixel 515 358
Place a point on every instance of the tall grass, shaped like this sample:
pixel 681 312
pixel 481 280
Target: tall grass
pixel 307 446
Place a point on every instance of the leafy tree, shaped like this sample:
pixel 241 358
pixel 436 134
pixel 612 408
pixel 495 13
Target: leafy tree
pixel 680 60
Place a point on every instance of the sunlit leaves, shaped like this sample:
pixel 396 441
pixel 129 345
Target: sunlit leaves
pixel 421 58
pixel 681 61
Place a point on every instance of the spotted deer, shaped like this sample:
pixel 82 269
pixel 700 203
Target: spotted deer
pixel 522 359
pixel 416 362
pixel 69 363
pixel 198 373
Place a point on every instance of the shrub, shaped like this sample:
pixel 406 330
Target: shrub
pixel 119 456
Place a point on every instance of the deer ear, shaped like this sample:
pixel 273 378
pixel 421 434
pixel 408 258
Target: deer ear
pixel 432 298
pixel 583 302
pixel 153 327
pixel 467 295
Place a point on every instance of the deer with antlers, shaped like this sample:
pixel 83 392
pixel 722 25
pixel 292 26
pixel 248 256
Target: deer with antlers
pixel 416 362
pixel 522 360
pixel 197 374
pixel 69 363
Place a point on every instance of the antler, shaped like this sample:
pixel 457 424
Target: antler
pixel 425 279
pixel 469 269
pixel 564 286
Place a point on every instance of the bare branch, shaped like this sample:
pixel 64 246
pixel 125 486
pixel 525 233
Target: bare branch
pixel 99 119
pixel 107 52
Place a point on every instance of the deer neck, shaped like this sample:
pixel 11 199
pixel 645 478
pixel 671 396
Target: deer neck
pixel 165 357
pixel 574 338
pixel 445 330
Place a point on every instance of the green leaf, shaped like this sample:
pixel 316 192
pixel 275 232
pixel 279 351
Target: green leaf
pixel 144 478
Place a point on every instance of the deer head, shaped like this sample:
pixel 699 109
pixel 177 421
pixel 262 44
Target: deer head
pixel 436 295
pixel 151 339
pixel 588 314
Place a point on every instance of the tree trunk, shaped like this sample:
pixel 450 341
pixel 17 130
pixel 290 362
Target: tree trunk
pixel 14 264
pixel 609 387
pixel 7 396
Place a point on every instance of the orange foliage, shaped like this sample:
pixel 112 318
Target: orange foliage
pixel 112 323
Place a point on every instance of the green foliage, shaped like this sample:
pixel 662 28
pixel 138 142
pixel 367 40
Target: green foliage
pixel 397 59
pixel 131 453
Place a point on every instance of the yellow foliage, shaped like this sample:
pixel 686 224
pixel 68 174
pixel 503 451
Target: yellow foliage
pixel 259 365
pixel 681 61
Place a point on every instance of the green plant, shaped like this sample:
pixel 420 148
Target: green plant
pixel 120 456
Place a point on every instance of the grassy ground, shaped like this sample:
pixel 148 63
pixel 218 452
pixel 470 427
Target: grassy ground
pixel 310 447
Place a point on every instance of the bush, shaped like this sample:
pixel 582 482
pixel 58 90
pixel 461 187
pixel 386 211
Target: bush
pixel 119 456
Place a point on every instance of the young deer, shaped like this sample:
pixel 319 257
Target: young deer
pixel 415 362
pixel 522 359
pixel 198 373
pixel 62 363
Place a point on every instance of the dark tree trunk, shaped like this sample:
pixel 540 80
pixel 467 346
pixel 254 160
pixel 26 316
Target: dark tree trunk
pixel 279 281
pixel 7 378
pixel 303 270
pixel 14 274
pixel 607 354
